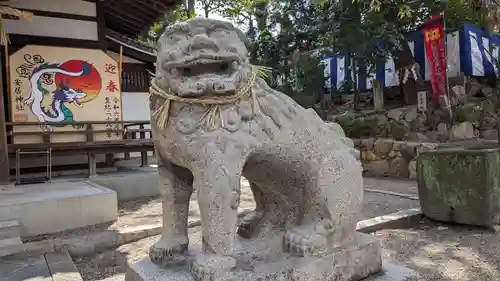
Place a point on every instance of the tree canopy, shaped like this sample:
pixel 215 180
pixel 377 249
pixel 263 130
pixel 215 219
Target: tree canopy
pixel 366 30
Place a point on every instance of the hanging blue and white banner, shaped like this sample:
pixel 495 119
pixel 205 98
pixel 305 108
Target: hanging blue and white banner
pixel 471 52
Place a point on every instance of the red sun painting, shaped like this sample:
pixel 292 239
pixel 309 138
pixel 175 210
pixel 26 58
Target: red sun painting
pixel 90 83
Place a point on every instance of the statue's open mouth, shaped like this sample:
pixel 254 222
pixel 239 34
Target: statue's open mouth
pixel 205 65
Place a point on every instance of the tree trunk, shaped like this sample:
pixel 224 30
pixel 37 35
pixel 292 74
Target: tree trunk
pixel 190 6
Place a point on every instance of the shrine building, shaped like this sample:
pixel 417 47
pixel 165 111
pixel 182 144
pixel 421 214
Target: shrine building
pixel 74 81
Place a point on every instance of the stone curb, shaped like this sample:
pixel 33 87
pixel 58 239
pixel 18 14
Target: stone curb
pixel 399 219
pixel 61 267
pixel 93 242
pixel 96 242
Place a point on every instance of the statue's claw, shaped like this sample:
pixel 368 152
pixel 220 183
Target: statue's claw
pixel 161 255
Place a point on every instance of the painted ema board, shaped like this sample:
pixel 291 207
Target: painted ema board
pixel 55 84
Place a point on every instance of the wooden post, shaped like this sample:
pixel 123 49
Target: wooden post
pixel 144 154
pixel 4 153
pixel 378 96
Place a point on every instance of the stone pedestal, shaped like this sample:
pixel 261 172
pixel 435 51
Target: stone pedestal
pixel 353 262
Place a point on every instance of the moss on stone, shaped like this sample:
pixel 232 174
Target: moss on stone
pixel 453 177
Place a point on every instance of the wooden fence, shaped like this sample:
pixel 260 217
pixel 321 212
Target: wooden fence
pixel 136 138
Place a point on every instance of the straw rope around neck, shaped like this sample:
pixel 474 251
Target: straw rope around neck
pixel 162 113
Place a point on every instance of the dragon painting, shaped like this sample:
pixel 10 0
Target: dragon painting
pixel 57 111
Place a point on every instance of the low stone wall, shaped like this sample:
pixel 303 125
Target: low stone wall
pixel 390 158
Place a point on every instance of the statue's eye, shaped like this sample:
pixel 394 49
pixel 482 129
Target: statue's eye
pixel 220 31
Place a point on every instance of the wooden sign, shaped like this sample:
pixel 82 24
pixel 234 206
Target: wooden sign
pixel 422 101
pixel 56 84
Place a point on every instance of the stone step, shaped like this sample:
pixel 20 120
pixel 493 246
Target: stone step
pixel 10 233
pixel 62 267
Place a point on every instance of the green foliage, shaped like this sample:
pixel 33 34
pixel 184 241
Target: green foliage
pixel 290 36
pixel 357 127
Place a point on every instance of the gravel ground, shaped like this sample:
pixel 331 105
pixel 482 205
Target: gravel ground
pixel 148 210
pixel 444 252
pixel 437 251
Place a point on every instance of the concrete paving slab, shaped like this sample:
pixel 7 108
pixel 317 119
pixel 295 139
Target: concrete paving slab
pixel 57 206
pixel 32 268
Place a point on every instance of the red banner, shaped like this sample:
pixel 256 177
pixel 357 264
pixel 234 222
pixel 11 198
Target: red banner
pixel 434 38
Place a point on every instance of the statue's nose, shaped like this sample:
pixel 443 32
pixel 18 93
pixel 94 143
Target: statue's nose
pixel 203 42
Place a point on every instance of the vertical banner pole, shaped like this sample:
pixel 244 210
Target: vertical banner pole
pixel 448 99
pixel 120 73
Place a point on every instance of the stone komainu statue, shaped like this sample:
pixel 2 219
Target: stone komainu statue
pixel 214 120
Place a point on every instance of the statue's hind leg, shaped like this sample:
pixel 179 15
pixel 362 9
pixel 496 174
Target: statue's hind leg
pixel 333 205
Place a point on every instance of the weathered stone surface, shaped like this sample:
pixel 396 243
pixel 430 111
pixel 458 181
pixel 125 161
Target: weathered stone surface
pixel 460 185
pixel 351 262
pixel 395 114
pixel 368 156
pixel 442 128
pixel 488 123
pixel 416 137
pixel 411 114
pixel 462 131
pixel 381 119
pixel 398 168
pixel 368 143
pixel 268 138
pixel 382 147
pixel 412 169
pixel 490 135
pixel 378 168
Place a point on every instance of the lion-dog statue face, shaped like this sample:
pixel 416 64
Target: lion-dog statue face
pixel 202 58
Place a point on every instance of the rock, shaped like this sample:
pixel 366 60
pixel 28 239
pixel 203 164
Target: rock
pixel 381 119
pixel 433 136
pixel 462 131
pixel 368 143
pixel 382 147
pixel 394 154
pixel 398 168
pixel 442 128
pixel 379 168
pixel 490 135
pixel 488 107
pixel 424 147
pixel 474 87
pixel 487 91
pixel 411 114
pixel 408 152
pixel 418 125
pixel 488 123
pixel 368 156
pixel 397 129
pixel 416 137
pixel 412 170
pixel 395 114
pixel 458 93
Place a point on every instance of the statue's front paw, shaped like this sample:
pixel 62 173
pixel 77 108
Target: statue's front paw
pixel 165 255
pixel 250 224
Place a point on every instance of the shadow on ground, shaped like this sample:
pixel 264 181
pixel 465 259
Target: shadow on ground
pixel 443 251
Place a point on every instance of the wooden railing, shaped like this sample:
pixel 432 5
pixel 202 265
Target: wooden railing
pixel 135 138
